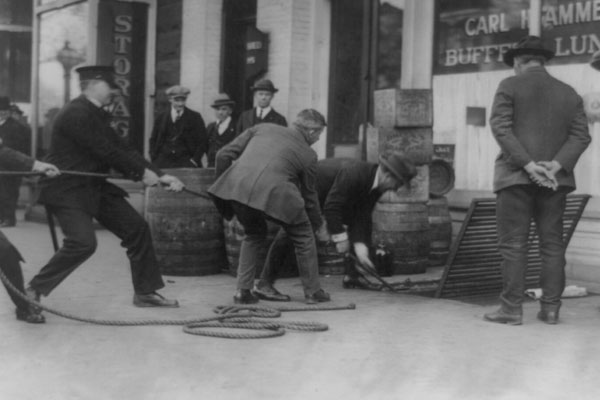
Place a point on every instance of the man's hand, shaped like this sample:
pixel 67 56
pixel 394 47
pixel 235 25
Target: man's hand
pixel 552 167
pixel 48 169
pixel 362 255
pixel 322 234
pixel 171 183
pixel 343 246
pixel 150 178
pixel 541 176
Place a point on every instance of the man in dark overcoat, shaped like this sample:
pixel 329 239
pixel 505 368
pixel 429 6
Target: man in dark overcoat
pixel 541 127
pixel 178 138
pixel 348 191
pixel 83 140
pixel 15 135
pixel 263 91
pixel 221 131
pixel 12 160
pixel 273 178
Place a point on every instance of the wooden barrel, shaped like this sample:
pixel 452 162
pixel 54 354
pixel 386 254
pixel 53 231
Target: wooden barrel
pixel 403 228
pixel 441 178
pixel 440 225
pixel 330 261
pixel 187 231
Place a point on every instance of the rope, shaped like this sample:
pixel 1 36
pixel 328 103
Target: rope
pixel 228 316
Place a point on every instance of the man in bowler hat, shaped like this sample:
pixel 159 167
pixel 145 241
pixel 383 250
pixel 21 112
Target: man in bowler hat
pixel 15 135
pixel 221 131
pixel 178 138
pixel 83 140
pixel 541 127
pixel 348 191
pixel 263 91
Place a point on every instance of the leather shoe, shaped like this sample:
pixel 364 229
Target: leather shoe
pixel 320 296
pixel 244 296
pixel 29 317
pixel 549 317
pixel 33 295
pixel 502 317
pixel 268 292
pixel 153 300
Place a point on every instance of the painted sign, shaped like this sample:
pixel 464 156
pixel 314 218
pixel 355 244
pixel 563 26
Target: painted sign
pixel 122 43
pixel 472 36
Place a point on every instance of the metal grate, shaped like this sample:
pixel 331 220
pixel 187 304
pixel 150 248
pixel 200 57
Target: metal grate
pixel 473 266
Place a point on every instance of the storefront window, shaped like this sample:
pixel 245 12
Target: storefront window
pixel 62 47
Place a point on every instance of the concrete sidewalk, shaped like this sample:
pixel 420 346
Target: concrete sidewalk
pixel 392 346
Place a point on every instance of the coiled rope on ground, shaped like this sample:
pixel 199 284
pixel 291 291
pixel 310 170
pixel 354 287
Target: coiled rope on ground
pixel 228 317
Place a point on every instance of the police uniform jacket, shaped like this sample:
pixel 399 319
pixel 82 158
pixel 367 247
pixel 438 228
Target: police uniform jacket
pixel 83 140
pixel 274 172
pixel 191 141
pixel 249 119
pixel 536 117
pixel 346 196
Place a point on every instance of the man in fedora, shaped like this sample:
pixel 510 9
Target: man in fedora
pixel 178 138
pixel 348 191
pixel 268 173
pixel 541 127
pixel 17 136
pixel 263 91
pixel 83 140
pixel 221 131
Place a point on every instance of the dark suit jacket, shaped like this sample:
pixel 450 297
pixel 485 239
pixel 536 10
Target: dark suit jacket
pixel 248 119
pixel 345 195
pixel 83 140
pixel 536 117
pixel 12 160
pixel 193 136
pixel 216 141
pixel 274 172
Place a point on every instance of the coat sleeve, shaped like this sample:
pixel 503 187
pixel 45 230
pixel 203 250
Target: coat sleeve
pixel 308 188
pixel 12 160
pixel 89 135
pixel 232 151
pixel 577 141
pixel 501 122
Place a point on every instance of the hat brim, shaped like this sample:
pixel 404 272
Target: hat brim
pixel 225 103
pixel 596 64
pixel 272 90
pixel 509 56
pixel 404 178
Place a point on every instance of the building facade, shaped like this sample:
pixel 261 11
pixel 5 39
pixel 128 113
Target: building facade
pixel 331 55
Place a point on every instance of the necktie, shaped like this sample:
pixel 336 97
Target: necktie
pixel 178 116
pixel 260 112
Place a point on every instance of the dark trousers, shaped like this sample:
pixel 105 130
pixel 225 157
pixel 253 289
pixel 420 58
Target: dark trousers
pixel 120 218
pixel 301 235
pixel 515 207
pixel 10 263
pixel 9 195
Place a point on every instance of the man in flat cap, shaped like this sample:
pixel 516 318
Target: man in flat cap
pixel 541 127
pixel 268 173
pixel 178 138
pixel 221 131
pixel 348 191
pixel 263 91
pixel 17 136
pixel 83 140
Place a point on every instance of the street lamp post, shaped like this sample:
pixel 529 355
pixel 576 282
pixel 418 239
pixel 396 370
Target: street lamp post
pixel 68 57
